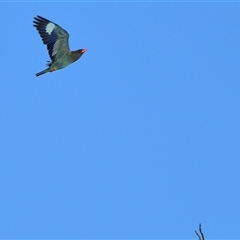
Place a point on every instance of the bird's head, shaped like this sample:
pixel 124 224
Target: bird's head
pixel 77 54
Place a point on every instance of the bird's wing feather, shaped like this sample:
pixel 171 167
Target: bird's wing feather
pixel 53 36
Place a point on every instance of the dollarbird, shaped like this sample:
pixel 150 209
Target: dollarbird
pixel 56 39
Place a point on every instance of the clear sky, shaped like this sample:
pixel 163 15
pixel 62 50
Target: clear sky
pixel 140 138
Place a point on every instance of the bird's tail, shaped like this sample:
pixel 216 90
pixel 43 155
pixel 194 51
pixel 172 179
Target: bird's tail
pixel 42 72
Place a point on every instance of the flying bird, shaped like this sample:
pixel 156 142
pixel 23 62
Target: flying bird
pixel 56 39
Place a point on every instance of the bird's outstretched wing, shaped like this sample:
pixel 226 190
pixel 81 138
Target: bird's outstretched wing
pixel 53 36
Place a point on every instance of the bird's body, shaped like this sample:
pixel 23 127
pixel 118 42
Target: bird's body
pixel 56 40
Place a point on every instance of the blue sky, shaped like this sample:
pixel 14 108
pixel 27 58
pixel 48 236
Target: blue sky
pixel 138 139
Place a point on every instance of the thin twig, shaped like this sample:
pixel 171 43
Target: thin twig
pixel 200 237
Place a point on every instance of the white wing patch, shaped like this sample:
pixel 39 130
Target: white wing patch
pixel 49 28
